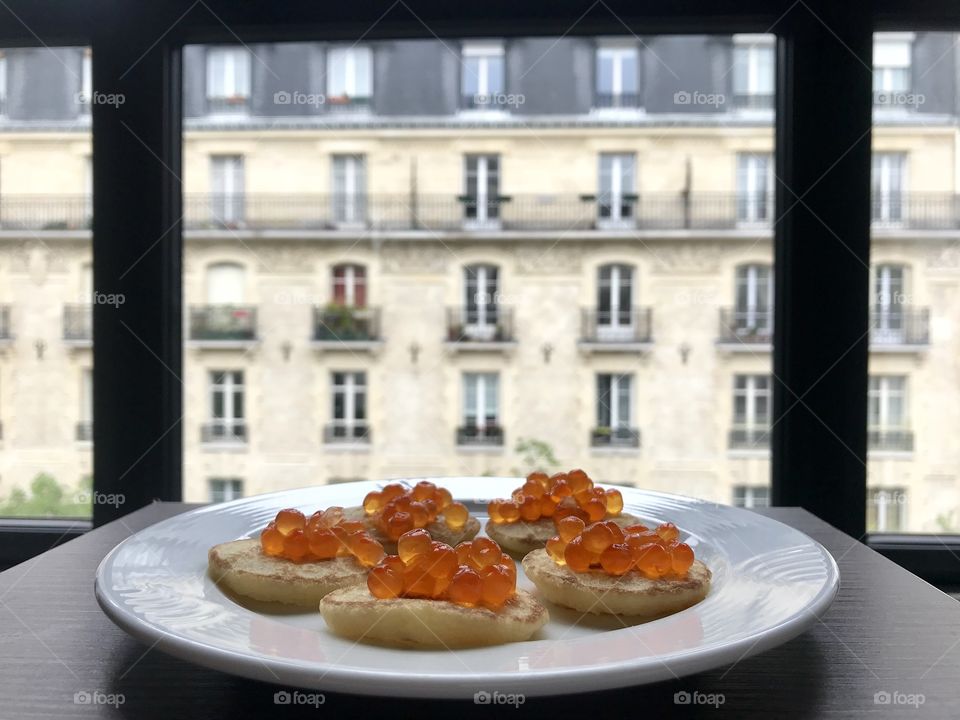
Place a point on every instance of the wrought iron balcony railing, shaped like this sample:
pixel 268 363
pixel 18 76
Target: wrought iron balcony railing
pixel 339 323
pixel 749 438
pixel 6 330
pixel 223 323
pixel 46 212
pixel 347 104
pixel 631 325
pixel 624 437
pixel 487 435
pixel 78 322
pixel 357 432
pixel 85 431
pixel 749 327
pixel 480 324
pixel 224 431
pixel 899 326
pixel 889 439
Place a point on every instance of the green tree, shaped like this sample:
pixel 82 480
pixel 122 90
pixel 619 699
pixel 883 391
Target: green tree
pixel 48 498
pixel 536 455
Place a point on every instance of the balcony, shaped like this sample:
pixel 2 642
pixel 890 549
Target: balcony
pixel 753 101
pixel 84 432
pixel 488 436
pixel 226 327
pixel 46 212
pixel 232 105
pixel 627 331
pixel 887 440
pixel 337 327
pixel 749 438
pixel 224 432
pixel 608 101
pixel 343 434
pixel 78 324
pixel 745 330
pixel 899 329
pixel 6 331
pixel 469 330
pixel 620 437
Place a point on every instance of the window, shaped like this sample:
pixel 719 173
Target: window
pixel 349 189
pixel 349 77
pixel 751 412
pixel 481 417
pixel 751 496
pixel 350 286
pixel 86 82
pixel 225 284
pixel 85 423
pixel 754 188
pixel 349 413
pixel 225 490
pixel 753 312
pixel 886 509
pixel 615 314
pixel 228 80
pixel 481 300
pixel 753 65
pixel 887 414
pixel 3 83
pixel 617 181
pixel 614 412
pixel 889 301
pixel 617 78
pixel 227 419
pixel 891 67
pixel 888 181
pixel 227 190
pixel 482 76
pixel 224 317
pixel 482 197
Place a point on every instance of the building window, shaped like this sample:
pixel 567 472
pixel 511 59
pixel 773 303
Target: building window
pixel 753 311
pixel 349 395
pixel 86 82
pixel 228 80
pixel 886 509
pixel 481 301
pixel 482 75
pixel 85 424
pixel 753 72
pixel 887 185
pixel 754 188
pixel 227 190
pixel 751 496
pixel 617 79
pixel 481 416
pixel 349 77
pixel 614 302
pixel 227 412
pixel 482 189
pixel 3 84
pixel 225 489
pixel 751 412
pixel 891 67
pixel 888 304
pixel 614 412
pixel 617 196
pixel 349 189
pixel 887 414
pixel 225 284
pixel 350 286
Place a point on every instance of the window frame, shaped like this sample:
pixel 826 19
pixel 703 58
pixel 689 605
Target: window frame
pixel 138 354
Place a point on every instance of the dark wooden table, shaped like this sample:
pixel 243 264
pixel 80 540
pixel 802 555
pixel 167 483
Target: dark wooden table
pixel 887 632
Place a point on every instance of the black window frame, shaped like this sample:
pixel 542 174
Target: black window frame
pixel 819 446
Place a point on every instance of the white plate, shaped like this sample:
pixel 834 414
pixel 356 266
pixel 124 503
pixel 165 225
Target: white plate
pixel 770 582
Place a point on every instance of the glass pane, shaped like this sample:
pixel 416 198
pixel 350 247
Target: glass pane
pixel 496 267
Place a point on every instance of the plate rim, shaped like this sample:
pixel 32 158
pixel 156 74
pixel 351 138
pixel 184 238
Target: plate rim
pixel 549 682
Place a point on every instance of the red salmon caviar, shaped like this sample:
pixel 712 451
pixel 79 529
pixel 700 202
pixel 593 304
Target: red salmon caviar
pixel 397 510
pixel 608 548
pixel 558 496
pixel 473 573
pixel 324 536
